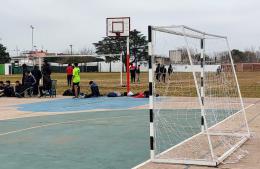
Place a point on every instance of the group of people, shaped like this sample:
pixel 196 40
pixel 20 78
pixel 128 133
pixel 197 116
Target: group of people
pixel 30 83
pixel 19 90
pixel 31 79
pixel 135 73
pixel 161 71
pixel 73 80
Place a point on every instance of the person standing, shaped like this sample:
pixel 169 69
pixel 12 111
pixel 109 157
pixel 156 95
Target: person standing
pixel 163 71
pixel 69 71
pixel 132 72
pixel 158 72
pixel 46 72
pixel 138 71
pixel 24 70
pixel 76 79
pixel 37 75
pixel 170 70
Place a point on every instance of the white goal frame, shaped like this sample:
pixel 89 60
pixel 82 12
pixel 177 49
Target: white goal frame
pixel 194 34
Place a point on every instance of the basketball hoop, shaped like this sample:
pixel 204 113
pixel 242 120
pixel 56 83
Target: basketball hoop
pixel 117 34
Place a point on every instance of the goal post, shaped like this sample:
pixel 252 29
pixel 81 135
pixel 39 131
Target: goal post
pixel 197 114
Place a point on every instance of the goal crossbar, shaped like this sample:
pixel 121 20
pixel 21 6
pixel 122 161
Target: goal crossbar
pixel 203 35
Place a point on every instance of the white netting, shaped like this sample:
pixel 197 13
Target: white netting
pixel 177 106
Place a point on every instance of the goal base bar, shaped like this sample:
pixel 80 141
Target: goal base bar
pixel 187 162
pixel 203 162
pixel 228 134
pixel 232 149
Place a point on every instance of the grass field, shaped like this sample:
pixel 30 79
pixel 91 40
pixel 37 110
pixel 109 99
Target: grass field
pixel 108 82
pixel 249 82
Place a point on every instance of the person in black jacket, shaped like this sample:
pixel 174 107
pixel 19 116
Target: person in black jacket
pixel 170 70
pixel 18 87
pixel 8 89
pixel 29 82
pixel 46 68
pixel 38 75
pixel 46 85
pixel 163 71
pixel 138 71
pixel 46 73
pixel 94 90
pixel 24 69
pixel 158 72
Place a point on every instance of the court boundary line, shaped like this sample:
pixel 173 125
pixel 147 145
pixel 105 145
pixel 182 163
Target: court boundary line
pixel 64 122
pixel 41 114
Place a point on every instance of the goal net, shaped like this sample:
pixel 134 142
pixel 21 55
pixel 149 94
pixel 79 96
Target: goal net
pixel 197 114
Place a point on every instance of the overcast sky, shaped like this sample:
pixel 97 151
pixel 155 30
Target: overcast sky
pixel 59 23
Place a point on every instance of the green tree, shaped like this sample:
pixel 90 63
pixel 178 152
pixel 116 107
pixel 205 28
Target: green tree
pixel 238 56
pixel 4 56
pixel 114 45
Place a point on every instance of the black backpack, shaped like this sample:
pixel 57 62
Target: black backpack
pixel 68 92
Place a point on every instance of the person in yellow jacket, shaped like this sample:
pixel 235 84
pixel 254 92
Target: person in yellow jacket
pixel 76 79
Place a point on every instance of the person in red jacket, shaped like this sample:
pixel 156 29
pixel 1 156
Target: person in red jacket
pixel 69 71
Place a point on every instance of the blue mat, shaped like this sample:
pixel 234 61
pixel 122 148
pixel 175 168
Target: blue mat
pixel 66 105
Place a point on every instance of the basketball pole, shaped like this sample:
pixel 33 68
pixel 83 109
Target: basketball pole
pixel 127 65
pixel 121 69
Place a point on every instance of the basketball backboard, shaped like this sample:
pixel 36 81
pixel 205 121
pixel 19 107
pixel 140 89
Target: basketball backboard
pixel 119 26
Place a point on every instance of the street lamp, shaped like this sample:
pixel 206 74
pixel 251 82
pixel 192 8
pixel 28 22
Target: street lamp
pixel 71 49
pixel 32 36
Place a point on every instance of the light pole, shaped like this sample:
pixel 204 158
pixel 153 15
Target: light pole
pixel 257 55
pixel 71 49
pixel 17 51
pixel 32 36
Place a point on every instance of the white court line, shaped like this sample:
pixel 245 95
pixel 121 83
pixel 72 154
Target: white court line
pixel 40 114
pixel 66 122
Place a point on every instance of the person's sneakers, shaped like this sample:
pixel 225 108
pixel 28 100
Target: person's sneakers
pixel 18 95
